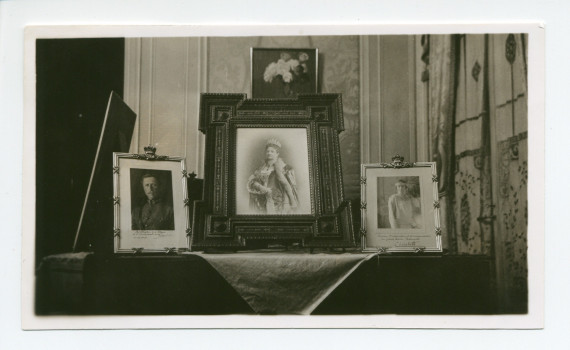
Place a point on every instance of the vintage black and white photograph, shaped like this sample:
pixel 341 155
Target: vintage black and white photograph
pixel 399 202
pixel 296 205
pixel 151 199
pixel 272 172
pixel 282 72
pixel 150 203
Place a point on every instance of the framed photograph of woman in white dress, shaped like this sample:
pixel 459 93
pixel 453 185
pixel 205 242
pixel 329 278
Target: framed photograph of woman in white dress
pixel 400 207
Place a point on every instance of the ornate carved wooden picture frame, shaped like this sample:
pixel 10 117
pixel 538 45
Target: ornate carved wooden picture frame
pixel 400 207
pixel 151 203
pixel 272 173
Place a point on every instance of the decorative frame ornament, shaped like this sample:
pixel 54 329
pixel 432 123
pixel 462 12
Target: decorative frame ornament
pixel 400 220
pixel 217 220
pixel 128 173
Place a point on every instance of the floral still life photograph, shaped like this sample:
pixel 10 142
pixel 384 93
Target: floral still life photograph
pixel 283 73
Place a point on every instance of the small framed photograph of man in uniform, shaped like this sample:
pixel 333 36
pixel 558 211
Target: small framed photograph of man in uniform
pixel 151 203
pixel 400 207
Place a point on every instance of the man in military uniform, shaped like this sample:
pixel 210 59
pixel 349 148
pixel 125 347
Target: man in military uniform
pixel 154 213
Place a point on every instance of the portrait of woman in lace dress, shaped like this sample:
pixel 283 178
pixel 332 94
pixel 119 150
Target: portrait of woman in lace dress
pixel 272 172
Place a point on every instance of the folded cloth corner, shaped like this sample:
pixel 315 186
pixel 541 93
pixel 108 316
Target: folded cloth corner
pixel 283 283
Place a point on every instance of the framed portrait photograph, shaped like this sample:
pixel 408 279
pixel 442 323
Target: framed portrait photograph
pixel 272 173
pixel 283 73
pixel 151 203
pixel 400 207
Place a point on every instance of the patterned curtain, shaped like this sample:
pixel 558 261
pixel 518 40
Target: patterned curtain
pixel 459 133
pixel 511 130
pixel 461 88
pixel 442 74
pixel 473 203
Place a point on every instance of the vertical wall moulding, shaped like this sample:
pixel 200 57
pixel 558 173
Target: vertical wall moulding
pixel 132 84
pixel 364 99
pixel 380 99
pixel 202 86
pixel 186 88
pixel 371 99
pixel 412 97
pixel 151 90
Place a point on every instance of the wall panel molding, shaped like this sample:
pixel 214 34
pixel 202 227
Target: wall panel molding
pixel 364 100
pixel 150 99
pixel 186 97
pixel 370 99
pixel 202 86
pixel 387 98
pixel 132 84
pixel 152 84
pixel 412 98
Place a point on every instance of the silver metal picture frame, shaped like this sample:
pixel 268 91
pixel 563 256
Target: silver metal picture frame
pixel 400 207
pixel 151 208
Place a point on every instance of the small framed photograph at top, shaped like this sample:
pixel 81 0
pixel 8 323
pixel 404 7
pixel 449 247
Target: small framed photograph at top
pixel 150 203
pixel 283 73
pixel 400 207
